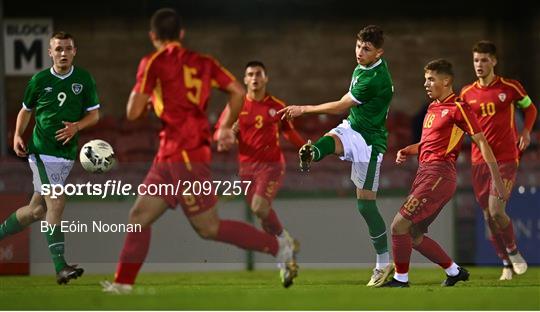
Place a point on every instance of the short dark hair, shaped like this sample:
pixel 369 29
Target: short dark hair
pixel 62 35
pixel 441 66
pixel 485 46
pixel 166 24
pixel 373 34
pixel 256 64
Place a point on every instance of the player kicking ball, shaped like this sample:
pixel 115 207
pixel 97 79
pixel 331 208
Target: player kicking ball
pixel 361 138
pixel 442 134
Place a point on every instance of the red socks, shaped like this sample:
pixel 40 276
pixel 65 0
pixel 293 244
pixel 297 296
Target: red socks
pixel 247 237
pixel 434 252
pixel 132 256
pixel 402 249
pixel 509 238
pixel 271 224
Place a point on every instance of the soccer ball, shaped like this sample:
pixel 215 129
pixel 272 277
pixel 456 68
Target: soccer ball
pixel 97 156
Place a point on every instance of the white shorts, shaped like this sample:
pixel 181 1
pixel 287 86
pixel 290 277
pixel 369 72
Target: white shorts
pixel 366 163
pixel 48 169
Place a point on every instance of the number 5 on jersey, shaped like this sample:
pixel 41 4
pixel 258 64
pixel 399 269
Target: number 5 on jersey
pixel 192 82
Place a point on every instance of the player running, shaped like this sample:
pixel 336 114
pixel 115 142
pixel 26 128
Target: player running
pixel 65 102
pixel 179 82
pixel 494 99
pixel 260 156
pixel 444 124
pixel 361 138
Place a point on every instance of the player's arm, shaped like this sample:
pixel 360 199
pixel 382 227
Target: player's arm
pixel 71 128
pixel 294 137
pixel 226 135
pixel 290 134
pixel 530 113
pixel 402 154
pixel 334 108
pixel 23 118
pixel 137 105
pixel 487 153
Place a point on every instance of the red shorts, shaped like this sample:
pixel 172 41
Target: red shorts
pixel 266 179
pixel 183 170
pixel 433 187
pixel 483 185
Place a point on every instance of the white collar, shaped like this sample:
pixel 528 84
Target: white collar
pixel 372 66
pixel 54 73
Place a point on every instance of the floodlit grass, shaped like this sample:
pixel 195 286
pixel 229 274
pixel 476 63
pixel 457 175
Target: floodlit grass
pixel 261 290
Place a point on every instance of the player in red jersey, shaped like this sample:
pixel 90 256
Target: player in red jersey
pixel 259 152
pixel 494 100
pixel 179 81
pixel 444 124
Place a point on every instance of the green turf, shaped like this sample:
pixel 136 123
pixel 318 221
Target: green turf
pixel 260 290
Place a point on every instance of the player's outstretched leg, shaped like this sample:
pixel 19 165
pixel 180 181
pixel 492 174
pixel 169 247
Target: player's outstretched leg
pixel 286 257
pixel 208 225
pixel 434 252
pixel 306 156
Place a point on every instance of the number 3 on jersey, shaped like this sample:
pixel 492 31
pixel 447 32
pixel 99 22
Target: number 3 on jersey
pixel 61 97
pixel 192 82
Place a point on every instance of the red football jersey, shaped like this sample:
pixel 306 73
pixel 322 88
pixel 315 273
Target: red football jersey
pixel 259 127
pixel 180 83
pixel 494 107
pixel 443 128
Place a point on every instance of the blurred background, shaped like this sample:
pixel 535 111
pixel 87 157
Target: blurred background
pixel 308 48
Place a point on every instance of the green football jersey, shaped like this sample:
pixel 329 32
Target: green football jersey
pixel 56 98
pixel 371 88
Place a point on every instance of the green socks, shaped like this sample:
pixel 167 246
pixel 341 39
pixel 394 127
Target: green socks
pixel 55 241
pixel 323 147
pixel 375 223
pixel 10 226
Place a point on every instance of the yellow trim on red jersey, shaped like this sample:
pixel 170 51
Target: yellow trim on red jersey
pixel 228 73
pixel 436 183
pixel 278 101
pixel 466 89
pixel 455 137
pixel 471 130
pixel 186 160
pixel 448 97
pixel 158 99
pixel 508 83
pixel 512 108
pixel 150 61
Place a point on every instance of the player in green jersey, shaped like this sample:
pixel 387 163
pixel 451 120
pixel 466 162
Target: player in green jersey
pixel 361 138
pixel 65 101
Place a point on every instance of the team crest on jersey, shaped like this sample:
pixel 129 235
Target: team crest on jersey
pixel 502 96
pixel 76 88
pixel 47 89
pixel 272 112
pixel 444 112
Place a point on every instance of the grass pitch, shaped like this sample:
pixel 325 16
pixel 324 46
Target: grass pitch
pixel 261 290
